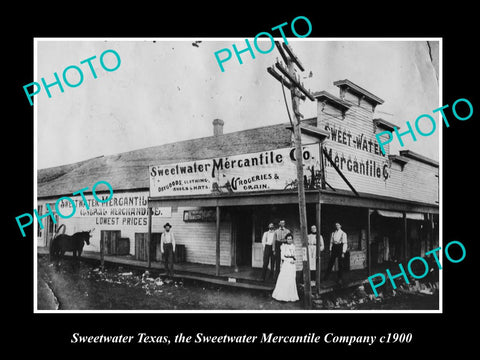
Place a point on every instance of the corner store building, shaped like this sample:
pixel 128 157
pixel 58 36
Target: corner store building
pixel 394 216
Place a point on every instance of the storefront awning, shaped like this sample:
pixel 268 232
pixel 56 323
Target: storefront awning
pixel 398 214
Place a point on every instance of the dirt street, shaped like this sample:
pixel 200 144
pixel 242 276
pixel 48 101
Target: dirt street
pixel 84 286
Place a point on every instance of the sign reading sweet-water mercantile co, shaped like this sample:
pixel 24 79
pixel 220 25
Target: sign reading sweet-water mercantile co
pixel 261 171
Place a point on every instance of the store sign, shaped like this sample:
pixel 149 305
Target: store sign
pixel 126 209
pixel 374 164
pixel 262 171
pixel 356 153
pixel 200 215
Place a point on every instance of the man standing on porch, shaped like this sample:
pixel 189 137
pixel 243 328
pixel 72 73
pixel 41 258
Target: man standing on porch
pixel 338 248
pixel 167 246
pixel 268 244
pixel 312 249
pixel 280 235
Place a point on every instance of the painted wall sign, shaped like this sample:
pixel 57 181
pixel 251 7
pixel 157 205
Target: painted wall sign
pixel 62 202
pixel 127 209
pixel 200 215
pixel 262 171
pixel 373 164
pixel 353 147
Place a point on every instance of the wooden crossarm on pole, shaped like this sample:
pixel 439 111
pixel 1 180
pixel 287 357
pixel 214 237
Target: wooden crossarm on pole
pixel 284 81
pixel 294 58
pixel 282 53
pixel 277 76
pixel 293 81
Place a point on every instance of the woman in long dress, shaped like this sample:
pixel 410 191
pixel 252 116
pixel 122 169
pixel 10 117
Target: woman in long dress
pixel 286 286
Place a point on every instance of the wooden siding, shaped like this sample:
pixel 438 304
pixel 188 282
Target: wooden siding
pixel 417 181
pixel 198 237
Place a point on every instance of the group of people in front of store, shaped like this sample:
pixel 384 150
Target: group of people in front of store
pixel 279 251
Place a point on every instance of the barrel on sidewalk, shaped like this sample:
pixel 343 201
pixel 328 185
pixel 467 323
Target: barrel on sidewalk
pixel 180 254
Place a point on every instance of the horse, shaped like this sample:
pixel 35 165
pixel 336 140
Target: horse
pixel 74 243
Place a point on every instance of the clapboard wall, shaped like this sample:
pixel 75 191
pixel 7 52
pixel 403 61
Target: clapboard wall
pixel 198 237
pixel 352 140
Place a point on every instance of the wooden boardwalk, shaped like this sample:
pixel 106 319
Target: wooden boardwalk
pixel 245 277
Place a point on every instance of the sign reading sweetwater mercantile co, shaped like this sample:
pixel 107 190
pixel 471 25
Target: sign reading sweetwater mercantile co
pixel 262 171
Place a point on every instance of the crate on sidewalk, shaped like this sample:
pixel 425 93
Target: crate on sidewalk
pixel 180 254
pixel 141 247
pixel 110 240
pixel 357 260
pixel 180 251
pixel 123 247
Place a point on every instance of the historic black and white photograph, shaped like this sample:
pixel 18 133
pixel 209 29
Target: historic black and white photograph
pixel 233 174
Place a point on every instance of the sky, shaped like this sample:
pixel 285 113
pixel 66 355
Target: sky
pixel 168 90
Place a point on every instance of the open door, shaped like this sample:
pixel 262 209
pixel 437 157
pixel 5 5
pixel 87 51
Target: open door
pixel 260 225
pixel 243 237
pixel 49 226
pixel 257 253
pixel 41 241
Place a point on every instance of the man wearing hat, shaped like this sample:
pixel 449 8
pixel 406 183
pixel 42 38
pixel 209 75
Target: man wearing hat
pixel 167 246
pixel 268 244
pixel 280 235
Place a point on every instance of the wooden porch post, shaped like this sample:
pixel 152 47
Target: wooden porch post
pixel 430 232
pixel 149 237
pixel 405 242
pixel 234 241
pixel 102 250
pixel 217 249
pixel 369 252
pixel 318 208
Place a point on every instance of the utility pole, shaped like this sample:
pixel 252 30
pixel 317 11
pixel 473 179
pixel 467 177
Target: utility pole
pixel 298 92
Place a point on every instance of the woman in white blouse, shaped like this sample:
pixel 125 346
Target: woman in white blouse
pixel 286 287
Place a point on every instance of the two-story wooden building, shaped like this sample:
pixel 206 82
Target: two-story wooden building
pixel 220 192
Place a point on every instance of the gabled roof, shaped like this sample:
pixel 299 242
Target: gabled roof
pixel 413 155
pixel 347 84
pixel 384 124
pixel 332 100
pixel 312 131
pixel 129 170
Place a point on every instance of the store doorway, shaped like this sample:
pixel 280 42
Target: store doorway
pixel 248 225
pixel 49 226
pixel 242 232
